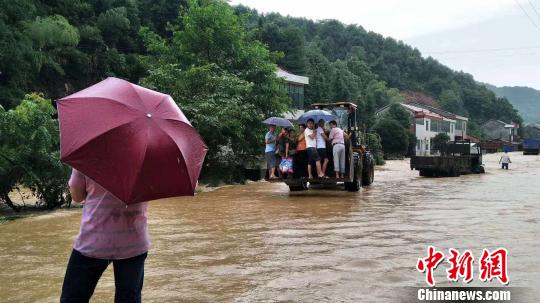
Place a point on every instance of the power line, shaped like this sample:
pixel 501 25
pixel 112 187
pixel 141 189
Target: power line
pixel 534 9
pixel 482 50
pixel 526 14
pixel 483 58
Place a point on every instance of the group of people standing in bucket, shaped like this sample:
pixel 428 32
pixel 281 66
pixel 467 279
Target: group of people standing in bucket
pixel 306 149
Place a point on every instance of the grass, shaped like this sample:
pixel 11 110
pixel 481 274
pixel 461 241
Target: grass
pixel 9 218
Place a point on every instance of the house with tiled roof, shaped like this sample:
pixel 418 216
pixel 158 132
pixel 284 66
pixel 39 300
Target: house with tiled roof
pixel 427 122
pixel 497 129
pixel 294 86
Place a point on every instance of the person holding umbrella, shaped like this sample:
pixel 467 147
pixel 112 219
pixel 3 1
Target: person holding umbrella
pixel 311 143
pixel 271 141
pixel 110 232
pixel 321 145
pixel 127 145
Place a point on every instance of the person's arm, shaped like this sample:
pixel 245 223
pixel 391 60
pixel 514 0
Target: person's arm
pixel 287 149
pixel 77 186
pixel 313 135
pixel 323 134
pixel 269 140
pixel 302 136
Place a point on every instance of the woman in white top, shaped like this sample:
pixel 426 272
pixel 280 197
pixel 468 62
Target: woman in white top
pixel 321 145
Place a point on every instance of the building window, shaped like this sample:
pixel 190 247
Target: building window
pixel 461 125
pixel 427 125
pixel 445 127
pixel 436 126
pixel 296 92
pixel 420 121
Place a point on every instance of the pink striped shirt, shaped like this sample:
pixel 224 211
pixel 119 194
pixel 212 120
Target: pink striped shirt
pixel 336 135
pixel 110 229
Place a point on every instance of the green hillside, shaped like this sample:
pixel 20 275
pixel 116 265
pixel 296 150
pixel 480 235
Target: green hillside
pixel 218 62
pixel 346 62
pixel 525 99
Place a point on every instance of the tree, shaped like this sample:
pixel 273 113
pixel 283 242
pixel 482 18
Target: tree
pixel 222 79
pixel 29 152
pixel 53 31
pixel 439 141
pixel 398 113
pixel 375 147
pixel 394 138
pixel 320 72
pixel 290 42
pixel 344 83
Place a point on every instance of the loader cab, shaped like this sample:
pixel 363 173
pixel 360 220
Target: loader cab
pixel 347 119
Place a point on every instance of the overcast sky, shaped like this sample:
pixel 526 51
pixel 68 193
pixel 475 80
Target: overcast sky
pixel 497 41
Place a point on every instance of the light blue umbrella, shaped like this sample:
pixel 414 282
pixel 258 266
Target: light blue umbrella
pixel 316 115
pixel 278 121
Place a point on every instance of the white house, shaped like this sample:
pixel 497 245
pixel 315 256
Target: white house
pixel 294 86
pixel 428 123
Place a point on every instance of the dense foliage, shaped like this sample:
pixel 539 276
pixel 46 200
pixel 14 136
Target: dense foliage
pixel 223 80
pixel 29 152
pixel 396 113
pixel 346 62
pixel 59 47
pixel 439 141
pixel 525 99
pixel 394 138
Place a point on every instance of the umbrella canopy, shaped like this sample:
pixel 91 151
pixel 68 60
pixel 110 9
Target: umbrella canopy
pixel 316 115
pixel 135 142
pixel 278 121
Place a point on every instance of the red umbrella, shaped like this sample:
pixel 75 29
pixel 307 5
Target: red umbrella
pixel 133 141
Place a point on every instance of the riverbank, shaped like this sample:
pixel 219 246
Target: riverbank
pixel 29 208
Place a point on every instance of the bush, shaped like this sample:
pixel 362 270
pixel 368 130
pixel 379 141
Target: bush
pixel 394 138
pixel 29 152
pixel 439 141
pixel 222 79
pixel 375 147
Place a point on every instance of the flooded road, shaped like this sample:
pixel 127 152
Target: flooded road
pixel 259 243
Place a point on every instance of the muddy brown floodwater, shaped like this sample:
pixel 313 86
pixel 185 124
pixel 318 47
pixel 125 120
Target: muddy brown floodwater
pixel 260 243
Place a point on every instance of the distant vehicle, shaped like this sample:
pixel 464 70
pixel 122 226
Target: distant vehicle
pixel 455 159
pixel 531 146
pixel 359 163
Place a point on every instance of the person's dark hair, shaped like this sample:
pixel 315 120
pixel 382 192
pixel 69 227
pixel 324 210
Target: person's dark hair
pixel 310 119
pixel 303 125
pixel 333 122
pixel 291 130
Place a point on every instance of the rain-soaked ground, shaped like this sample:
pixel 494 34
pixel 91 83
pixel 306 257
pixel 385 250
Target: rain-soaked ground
pixel 259 243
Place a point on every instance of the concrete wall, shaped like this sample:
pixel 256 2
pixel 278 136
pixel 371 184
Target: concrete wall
pixel 424 133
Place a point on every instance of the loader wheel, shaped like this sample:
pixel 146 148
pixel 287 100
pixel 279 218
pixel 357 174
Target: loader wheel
pixel 368 176
pixel 355 184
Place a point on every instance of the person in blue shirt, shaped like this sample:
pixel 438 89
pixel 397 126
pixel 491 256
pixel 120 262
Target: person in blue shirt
pixel 270 151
